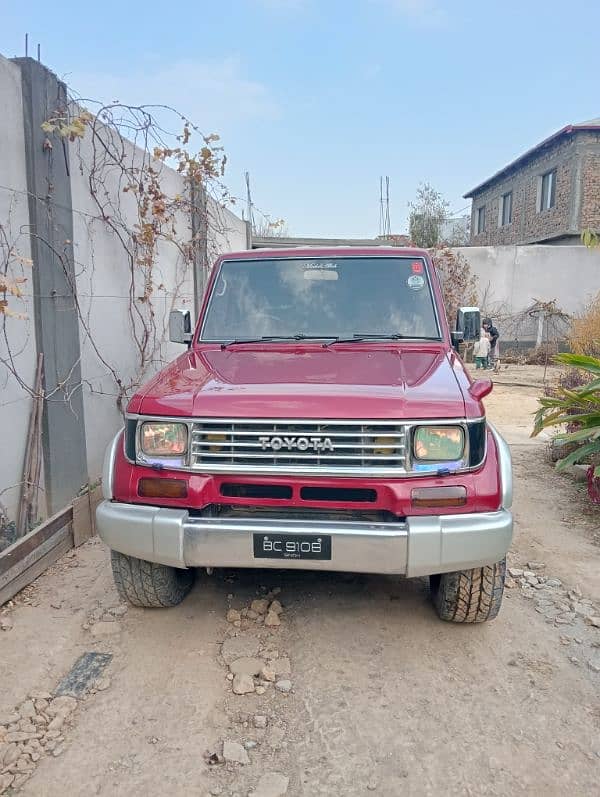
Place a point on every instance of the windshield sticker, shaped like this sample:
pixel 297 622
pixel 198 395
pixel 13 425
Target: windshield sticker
pixel 417 267
pixel 319 270
pixel 416 282
pixel 318 264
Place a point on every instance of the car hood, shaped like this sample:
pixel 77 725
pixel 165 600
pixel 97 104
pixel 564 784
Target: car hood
pixel 309 382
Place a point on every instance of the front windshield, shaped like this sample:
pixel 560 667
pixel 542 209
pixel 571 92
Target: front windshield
pixel 321 297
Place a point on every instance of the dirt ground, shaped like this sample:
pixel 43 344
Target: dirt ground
pixel 383 697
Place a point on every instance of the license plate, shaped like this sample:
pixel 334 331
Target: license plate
pixel 292 546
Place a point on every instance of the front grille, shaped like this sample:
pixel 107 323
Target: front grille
pixel 307 446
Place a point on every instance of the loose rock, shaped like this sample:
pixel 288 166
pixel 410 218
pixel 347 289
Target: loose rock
pixel 6 781
pixel 554 582
pixel 594 620
pixel 20 780
pixel 62 705
pixel 536 565
pixel 515 572
pixel 268 673
pixel 260 690
pixel 259 605
pixel 118 611
pixel 24 764
pixel 8 719
pixel 272 619
pixel 583 609
pixel 102 683
pixel 246 665
pixel 565 619
pixel 11 754
pixel 276 607
pixel 271 784
pixel 27 709
pixel 18 736
pixel 284 685
pixel 243 684
pixel 233 615
pixel 56 723
pixel 6 622
pixel 232 751
pixel 259 721
pixel 593 667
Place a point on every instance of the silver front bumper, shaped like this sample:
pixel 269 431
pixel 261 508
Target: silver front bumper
pixel 416 547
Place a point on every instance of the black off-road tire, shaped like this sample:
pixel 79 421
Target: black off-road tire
pixel 469 596
pixel 143 583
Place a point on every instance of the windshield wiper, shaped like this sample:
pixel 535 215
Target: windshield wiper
pixel 299 336
pixel 360 337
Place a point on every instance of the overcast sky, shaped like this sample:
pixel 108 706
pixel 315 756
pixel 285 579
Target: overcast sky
pixel 317 99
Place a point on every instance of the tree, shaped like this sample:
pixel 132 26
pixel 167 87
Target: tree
pixel 459 284
pixel 265 227
pixel 427 215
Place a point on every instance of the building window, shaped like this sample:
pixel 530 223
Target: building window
pixel 506 209
pixel 480 220
pixel 548 190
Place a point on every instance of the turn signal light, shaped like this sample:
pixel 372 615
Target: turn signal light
pixel 162 488
pixel 439 496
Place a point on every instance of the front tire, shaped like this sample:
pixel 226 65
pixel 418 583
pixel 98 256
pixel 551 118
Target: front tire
pixel 469 596
pixel 143 583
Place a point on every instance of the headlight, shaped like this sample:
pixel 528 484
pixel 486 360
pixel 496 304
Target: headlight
pixel 163 439
pixel 439 443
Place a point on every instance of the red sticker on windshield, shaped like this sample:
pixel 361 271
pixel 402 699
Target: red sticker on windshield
pixel 417 267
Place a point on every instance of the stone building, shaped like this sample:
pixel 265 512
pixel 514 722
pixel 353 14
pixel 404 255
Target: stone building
pixel 547 195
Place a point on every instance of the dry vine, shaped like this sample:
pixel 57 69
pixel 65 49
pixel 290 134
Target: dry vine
pixel 127 158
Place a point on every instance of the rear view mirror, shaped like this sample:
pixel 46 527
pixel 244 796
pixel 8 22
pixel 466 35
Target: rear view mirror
pixel 180 326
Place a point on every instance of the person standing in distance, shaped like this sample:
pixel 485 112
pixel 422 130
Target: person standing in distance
pixel 494 335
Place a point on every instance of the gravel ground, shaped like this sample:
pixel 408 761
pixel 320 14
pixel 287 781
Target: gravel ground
pixel 272 683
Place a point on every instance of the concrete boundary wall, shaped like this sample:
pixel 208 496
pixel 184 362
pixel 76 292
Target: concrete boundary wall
pixel 79 292
pixel 511 278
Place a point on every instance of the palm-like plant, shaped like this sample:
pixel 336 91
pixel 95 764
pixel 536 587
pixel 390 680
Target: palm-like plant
pixel 579 409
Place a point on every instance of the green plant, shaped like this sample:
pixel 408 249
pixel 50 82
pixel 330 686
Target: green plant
pixel 579 408
pixel 427 215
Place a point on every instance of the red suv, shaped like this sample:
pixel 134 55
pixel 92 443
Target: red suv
pixel 319 418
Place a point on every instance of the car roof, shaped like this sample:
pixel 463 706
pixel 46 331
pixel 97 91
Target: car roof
pixel 325 251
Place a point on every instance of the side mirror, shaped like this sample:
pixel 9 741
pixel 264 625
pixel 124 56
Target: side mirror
pixel 481 388
pixel 180 326
pixel 468 321
pixel 456 338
